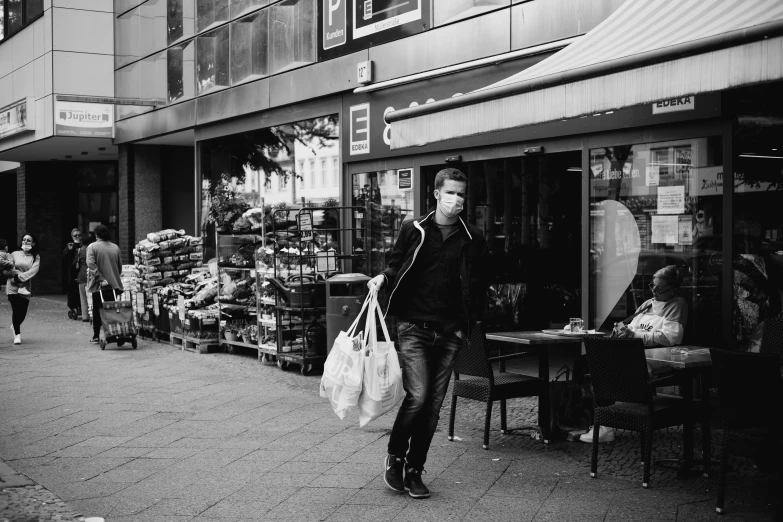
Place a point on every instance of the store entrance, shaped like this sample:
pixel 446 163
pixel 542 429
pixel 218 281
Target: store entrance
pixel 530 210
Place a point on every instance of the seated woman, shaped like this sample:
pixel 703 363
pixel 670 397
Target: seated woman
pixel 659 321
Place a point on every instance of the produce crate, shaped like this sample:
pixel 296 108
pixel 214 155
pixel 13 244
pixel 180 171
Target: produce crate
pixel 199 328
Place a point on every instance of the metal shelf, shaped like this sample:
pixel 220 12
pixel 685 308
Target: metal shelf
pixel 239 343
pixel 300 309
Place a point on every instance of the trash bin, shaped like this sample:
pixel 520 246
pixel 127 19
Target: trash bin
pixel 345 294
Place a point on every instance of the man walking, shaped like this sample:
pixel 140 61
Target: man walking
pixel 104 266
pixel 436 280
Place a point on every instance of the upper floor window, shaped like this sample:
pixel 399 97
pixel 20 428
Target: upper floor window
pixel 15 14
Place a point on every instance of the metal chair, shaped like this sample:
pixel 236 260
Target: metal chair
pixel 750 399
pixel 486 385
pixel 772 338
pixel 624 395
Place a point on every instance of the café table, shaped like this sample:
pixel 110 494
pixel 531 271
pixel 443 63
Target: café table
pixel 685 369
pixel 534 343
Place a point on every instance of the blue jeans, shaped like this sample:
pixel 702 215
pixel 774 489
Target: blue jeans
pixel 427 359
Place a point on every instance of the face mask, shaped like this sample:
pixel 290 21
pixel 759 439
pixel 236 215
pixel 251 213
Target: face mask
pixel 450 205
pixel 27 248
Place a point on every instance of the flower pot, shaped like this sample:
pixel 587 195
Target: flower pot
pixel 223 229
pixel 230 336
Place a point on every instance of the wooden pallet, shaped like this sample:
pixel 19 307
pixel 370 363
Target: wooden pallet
pixel 191 344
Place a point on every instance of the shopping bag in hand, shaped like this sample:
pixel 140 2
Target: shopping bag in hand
pixel 341 382
pixel 382 388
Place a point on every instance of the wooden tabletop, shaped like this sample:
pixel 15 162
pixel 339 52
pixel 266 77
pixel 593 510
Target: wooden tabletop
pixel 697 357
pixel 534 337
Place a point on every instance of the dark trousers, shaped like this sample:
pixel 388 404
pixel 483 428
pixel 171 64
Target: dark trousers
pixel 97 304
pixel 19 307
pixel 427 359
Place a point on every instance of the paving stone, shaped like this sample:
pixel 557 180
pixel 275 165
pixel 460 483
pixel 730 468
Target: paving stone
pixel 363 513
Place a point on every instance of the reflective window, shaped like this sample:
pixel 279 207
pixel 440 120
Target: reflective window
pixel 654 206
pixel 447 11
pixel 212 60
pixel 127 84
pixel 126 38
pixel 14 19
pixel 293 24
pixel 210 12
pixel 240 7
pixel 2 21
pixel 261 163
pixel 181 71
pixel 758 221
pixel 180 19
pixel 152 26
pixel 153 70
pixel 33 9
pixel 249 47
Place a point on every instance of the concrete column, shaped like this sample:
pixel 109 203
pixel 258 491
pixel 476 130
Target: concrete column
pixel 148 208
pixel 126 193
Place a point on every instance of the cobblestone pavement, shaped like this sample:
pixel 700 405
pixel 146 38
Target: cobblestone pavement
pixel 158 434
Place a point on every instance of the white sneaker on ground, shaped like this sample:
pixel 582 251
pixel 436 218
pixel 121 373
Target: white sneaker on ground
pixel 604 435
pixel 18 339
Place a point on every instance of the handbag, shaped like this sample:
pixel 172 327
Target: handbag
pixel 568 409
pixel 382 388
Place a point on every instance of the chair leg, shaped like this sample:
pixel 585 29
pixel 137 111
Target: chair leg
pixel 451 417
pixel 643 440
pixel 724 461
pixel 503 427
pixel 486 423
pixel 594 463
pixel 706 448
pixel 647 455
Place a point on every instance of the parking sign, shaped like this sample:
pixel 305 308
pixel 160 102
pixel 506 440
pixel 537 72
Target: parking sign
pixel 334 13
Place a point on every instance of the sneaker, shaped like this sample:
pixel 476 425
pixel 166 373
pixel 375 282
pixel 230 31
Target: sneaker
pixel 23 290
pixel 95 340
pixel 413 484
pixel 393 475
pixel 604 435
pixel 18 339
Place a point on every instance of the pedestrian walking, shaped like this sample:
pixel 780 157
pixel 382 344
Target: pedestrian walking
pixel 70 270
pixel 104 266
pixel 18 288
pixel 437 283
pixel 81 274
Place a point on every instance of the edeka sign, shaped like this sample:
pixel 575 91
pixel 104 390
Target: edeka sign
pixel 334 23
pixel 386 100
pixel 17 117
pixel 347 26
pixel 683 103
pixel 360 128
pixel 85 120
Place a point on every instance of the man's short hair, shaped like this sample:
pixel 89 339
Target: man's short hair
pixel 453 174
pixel 3 244
pixel 102 232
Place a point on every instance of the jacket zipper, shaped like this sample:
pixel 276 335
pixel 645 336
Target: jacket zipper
pixel 399 280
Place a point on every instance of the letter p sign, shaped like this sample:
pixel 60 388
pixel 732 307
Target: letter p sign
pixel 334 23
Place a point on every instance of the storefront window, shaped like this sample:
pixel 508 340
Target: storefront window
pixel 655 205
pixel 447 11
pixel 212 60
pixel 14 21
pixel 758 218
pixel 97 200
pixel 261 167
pixel 180 19
pixel 180 71
pixel 385 208
pixel 210 12
pixel 249 47
pixel 293 24
pixel 240 7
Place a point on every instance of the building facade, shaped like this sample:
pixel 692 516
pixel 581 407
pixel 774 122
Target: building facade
pixel 295 99
pixel 60 163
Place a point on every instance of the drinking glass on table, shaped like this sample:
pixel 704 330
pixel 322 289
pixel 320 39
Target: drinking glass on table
pixel 576 325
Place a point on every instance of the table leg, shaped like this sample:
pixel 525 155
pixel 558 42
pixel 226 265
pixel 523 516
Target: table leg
pixel 543 398
pixel 686 385
pixel 706 430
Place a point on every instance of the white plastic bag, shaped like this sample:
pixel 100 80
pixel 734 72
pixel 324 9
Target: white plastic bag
pixel 382 388
pixel 341 382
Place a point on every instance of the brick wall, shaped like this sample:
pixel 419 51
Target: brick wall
pixel 148 208
pixel 126 196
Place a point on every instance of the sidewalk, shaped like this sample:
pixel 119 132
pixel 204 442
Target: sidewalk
pixel 157 434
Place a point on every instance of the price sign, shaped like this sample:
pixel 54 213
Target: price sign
pixel 326 262
pixel 156 304
pixel 405 179
pixel 181 307
pixel 305 222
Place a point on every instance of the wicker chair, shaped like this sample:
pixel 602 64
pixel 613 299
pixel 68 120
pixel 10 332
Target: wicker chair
pixel 485 384
pixel 750 399
pixel 624 395
pixel 772 338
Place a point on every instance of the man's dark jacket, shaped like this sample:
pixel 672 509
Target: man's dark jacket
pixel 472 260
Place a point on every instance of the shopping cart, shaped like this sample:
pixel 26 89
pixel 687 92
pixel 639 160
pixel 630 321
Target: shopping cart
pixel 117 320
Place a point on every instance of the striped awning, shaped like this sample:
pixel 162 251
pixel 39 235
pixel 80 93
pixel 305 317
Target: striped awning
pixel 646 51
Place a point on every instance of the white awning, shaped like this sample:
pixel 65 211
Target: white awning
pixel 648 50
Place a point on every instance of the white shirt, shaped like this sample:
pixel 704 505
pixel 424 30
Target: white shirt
pixel 662 323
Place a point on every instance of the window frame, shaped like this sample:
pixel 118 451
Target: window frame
pixel 25 20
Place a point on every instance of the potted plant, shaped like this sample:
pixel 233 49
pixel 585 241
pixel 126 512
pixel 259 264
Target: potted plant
pixel 226 203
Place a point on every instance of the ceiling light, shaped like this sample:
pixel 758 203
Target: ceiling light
pixel 574 169
pixel 758 156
